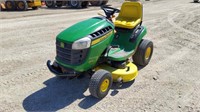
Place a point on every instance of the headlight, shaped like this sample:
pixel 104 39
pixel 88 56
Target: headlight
pixel 82 43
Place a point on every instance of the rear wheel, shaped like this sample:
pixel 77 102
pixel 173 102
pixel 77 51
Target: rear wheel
pixel 50 3
pixel 100 83
pixel 196 1
pixel 143 53
pixel 22 5
pixel 10 5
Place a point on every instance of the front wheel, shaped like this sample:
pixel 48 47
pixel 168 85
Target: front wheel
pixel 100 83
pixel 143 53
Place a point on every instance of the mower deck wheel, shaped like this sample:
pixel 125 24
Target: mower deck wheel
pixel 100 83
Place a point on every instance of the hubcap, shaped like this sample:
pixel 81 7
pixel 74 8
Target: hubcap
pixel 148 53
pixel 104 85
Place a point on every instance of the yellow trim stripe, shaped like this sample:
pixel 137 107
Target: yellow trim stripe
pixel 101 38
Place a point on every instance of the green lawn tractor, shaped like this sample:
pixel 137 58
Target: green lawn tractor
pixel 106 49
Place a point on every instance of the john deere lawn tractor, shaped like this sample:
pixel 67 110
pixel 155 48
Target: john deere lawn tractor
pixel 22 5
pixel 106 49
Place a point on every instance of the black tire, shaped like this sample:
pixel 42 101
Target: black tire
pixel 10 5
pixel 96 2
pixel 196 1
pixel 50 3
pixel 59 4
pixel 22 5
pixel 75 4
pixel 143 54
pixel 35 8
pixel 104 2
pixel 95 85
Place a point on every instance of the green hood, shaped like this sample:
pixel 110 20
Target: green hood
pixel 82 29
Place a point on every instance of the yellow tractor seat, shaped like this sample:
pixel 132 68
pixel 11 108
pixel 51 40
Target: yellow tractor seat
pixel 130 15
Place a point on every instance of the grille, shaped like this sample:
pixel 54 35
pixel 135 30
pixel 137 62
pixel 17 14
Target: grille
pixel 101 32
pixel 66 54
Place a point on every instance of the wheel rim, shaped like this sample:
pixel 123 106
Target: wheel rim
pixel 74 2
pixel 104 85
pixel 21 5
pixel 9 5
pixel 148 53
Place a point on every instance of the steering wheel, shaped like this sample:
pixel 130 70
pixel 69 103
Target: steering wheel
pixel 109 11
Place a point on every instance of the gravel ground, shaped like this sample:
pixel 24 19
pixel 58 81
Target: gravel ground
pixel 170 83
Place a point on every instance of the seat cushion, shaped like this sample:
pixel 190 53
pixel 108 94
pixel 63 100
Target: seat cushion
pixel 130 15
pixel 129 24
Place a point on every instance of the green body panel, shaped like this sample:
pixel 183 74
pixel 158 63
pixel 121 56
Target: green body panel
pixel 82 29
pixel 126 48
pixel 95 52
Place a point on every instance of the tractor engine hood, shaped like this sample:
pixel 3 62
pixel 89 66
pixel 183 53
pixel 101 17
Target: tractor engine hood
pixel 83 29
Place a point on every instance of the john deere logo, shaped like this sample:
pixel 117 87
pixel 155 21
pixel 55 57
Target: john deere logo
pixel 62 45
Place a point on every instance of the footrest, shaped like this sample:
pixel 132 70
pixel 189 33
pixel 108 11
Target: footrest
pixel 118 54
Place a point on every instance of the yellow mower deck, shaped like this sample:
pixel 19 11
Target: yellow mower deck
pixel 127 74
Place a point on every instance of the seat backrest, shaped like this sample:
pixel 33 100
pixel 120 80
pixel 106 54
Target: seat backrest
pixel 131 10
